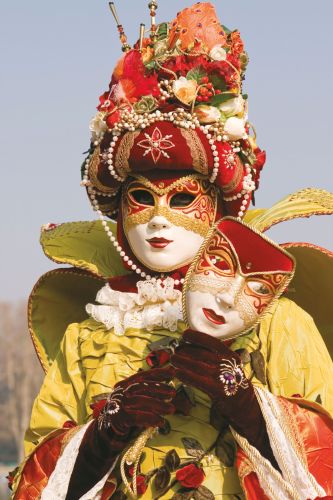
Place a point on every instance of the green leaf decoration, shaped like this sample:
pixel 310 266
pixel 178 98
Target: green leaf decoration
pixel 162 479
pixel 220 98
pixel 196 74
pixel 162 31
pixel 166 429
pixel 244 355
pixel 218 82
pixel 258 365
pixel 226 30
pixel 151 65
pixel 160 345
pixel 193 447
pixel 183 495
pixel 172 460
pixel 203 493
pixel 226 449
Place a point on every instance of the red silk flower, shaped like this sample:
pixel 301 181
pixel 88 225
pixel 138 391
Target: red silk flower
pixel 190 476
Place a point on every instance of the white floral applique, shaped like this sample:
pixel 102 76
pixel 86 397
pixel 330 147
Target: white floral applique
pixel 156 305
pixel 156 144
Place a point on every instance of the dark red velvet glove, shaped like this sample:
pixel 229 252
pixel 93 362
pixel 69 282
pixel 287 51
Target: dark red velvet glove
pixel 136 403
pixel 206 363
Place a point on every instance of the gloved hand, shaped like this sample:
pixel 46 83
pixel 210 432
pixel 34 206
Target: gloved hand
pixel 138 402
pixel 135 404
pixel 206 363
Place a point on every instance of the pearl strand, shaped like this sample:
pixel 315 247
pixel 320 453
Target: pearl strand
pixel 248 187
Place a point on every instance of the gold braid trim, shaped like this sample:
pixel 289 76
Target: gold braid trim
pixel 239 173
pixel 291 435
pixel 94 163
pixel 260 462
pixel 319 196
pixel 198 153
pixel 177 219
pixel 290 420
pixel 123 153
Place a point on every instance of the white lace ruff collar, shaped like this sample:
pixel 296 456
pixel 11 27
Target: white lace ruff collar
pixel 156 305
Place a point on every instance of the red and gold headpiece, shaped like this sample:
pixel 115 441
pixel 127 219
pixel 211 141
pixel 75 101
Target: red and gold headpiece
pixel 175 103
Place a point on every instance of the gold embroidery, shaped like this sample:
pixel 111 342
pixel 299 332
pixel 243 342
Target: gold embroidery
pixel 198 153
pixel 176 218
pixel 164 190
pixel 123 153
pixel 94 163
pixel 238 175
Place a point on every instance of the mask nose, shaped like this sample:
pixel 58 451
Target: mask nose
pixel 228 298
pixel 158 222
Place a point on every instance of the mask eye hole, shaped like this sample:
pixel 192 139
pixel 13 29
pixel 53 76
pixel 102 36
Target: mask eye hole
pixel 142 197
pixel 181 200
pixel 259 288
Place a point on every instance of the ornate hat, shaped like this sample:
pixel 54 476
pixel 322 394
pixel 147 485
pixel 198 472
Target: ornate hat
pixel 175 103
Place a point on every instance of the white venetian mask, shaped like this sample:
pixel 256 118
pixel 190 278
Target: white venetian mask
pixel 165 223
pixel 234 280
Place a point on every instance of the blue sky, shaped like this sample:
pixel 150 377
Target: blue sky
pixel 56 59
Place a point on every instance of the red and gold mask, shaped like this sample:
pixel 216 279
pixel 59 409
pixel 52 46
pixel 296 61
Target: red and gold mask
pixel 234 280
pixel 158 217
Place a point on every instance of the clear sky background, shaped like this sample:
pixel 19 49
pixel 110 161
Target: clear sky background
pixel 56 59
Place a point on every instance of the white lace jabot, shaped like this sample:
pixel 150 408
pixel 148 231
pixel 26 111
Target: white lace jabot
pixel 156 305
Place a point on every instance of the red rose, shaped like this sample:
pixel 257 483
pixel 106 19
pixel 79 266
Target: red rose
pixel 105 103
pixel 157 358
pixel 98 407
pixel 237 46
pixel 141 485
pixel 112 118
pixel 190 476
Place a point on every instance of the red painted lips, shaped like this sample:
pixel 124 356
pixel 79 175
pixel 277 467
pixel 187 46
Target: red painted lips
pixel 159 242
pixel 213 317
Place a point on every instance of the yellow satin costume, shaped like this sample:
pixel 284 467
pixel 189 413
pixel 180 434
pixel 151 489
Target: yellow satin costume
pixel 92 360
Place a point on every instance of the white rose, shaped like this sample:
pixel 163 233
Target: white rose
pixel 218 53
pixel 232 107
pixel 207 114
pixel 98 125
pixel 234 128
pixel 185 90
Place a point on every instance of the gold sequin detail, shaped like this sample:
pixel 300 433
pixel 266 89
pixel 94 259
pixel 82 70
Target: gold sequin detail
pixel 238 175
pixel 176 218
pixel 94 163
pixel 123 153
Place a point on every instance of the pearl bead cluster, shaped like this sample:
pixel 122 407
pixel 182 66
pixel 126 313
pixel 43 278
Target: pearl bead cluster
pixel 248 187
pixel 165 89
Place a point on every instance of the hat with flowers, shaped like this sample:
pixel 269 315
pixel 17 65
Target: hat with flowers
pixel 175 103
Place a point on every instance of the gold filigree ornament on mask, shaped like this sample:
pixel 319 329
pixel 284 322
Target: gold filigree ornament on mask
pixel 198 216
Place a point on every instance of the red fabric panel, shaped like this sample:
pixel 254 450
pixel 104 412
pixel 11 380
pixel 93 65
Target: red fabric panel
pixel 252 247
pixel 39 467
